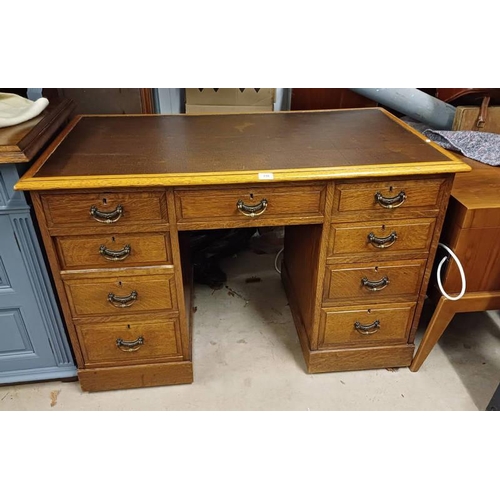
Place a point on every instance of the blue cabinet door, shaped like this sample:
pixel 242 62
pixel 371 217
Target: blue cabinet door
pixel 32 339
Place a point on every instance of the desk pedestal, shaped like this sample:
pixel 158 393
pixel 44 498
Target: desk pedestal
pixel 355 272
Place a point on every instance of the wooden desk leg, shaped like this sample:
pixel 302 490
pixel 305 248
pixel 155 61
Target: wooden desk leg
pixel 445 310
pixel 441 318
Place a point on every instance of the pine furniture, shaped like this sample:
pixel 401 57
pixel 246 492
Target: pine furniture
pixel 472 231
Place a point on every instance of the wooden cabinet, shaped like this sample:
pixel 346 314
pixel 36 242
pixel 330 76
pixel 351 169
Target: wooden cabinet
pixel 472 232
pixel 363 213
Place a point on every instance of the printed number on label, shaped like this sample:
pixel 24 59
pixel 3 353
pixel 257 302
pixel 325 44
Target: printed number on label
pixel 266 176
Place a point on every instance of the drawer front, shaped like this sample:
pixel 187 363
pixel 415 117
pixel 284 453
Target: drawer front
pixel 381 237
pixel 368 324
pixel 121 294
pixel 130 342
pixel 105 209
pixel 388 196
pixel 245 203
pixel 119 250
pixel 374 280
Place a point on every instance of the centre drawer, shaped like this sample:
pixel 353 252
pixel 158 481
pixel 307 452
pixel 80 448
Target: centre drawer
pixel 374 280
pixel 250 203
pixel 130 342
pixel 118 250
pixel 381 237
pixel 120 292
pixel 367 324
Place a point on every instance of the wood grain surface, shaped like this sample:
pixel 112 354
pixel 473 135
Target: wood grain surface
pixel 84 251
pixel 344 359
pixel 423 193
pixel 173 174
pixel 302 262
pixel 128 377
pixel 149 150
pixel 337 325
pixel 472 229
pixel 205 205
pixel 343 282
pixel 89 295
pixel 412 235
pixel 73 209
pixel 20 143
pixel 161 342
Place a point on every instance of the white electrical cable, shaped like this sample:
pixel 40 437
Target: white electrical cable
pixel 278 270
pixel 460 268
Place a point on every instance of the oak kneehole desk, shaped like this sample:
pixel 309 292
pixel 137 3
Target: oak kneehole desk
pixel 362 197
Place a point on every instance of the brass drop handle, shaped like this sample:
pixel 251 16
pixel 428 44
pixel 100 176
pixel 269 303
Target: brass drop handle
pixel 106 217
pixel 375 286
pixel 115 254
pixel 127 301
pixel 252 210
pixel 393 202
pixel 367 329
pixel 384 242
pixel 130 345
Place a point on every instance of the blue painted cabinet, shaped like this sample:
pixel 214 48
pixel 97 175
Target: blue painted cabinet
pixel 33 343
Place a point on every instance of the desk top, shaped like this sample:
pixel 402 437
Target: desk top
pixel 168 150
pixel 20 143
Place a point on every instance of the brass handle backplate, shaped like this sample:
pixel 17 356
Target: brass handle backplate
pixel 367 329
pixel 115 254
pixel 106 217
pixel 375 286
pixel 127 301
pixel 384 242
pixel 130 345
pixel 392 202
pixel 252 210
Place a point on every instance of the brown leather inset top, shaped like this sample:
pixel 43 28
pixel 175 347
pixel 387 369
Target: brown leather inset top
pixel 129 145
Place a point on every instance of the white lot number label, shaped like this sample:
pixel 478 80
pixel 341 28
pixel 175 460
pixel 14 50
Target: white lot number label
pixel 266 176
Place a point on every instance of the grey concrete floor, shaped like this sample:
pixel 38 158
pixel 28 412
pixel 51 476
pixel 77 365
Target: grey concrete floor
pixel 247 357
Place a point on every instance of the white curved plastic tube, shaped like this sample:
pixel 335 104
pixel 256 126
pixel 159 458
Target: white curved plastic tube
pixel 460 268
pixel 278 270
